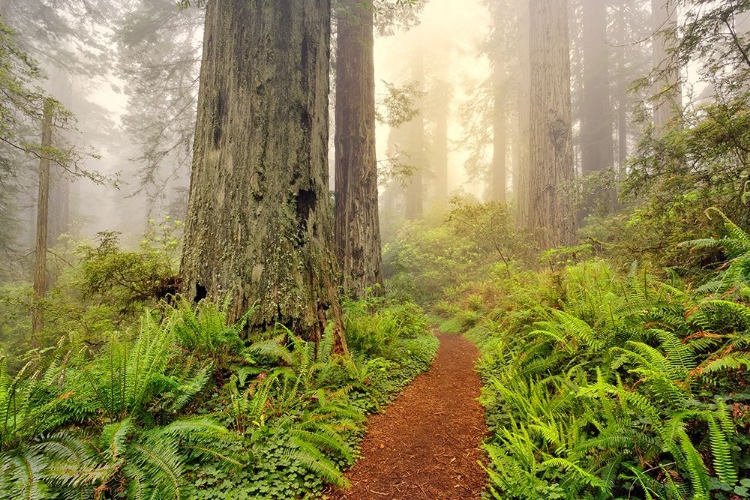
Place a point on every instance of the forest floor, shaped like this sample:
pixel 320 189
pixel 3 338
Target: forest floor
pixel 427 442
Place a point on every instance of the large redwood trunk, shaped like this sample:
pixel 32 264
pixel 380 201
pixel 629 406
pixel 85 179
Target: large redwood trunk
pixel 42 218
pixel 357 226
pixel 551 162
pixel 259 226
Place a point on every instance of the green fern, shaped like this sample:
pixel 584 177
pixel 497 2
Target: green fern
pixel 313 459
pixel 23 474
pixel 695 467
pixel 720 447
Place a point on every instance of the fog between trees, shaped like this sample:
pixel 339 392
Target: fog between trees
pixel 127 68
pixel 527 103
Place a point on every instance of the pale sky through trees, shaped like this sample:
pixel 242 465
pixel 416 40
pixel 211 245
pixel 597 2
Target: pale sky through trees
pixel 453 31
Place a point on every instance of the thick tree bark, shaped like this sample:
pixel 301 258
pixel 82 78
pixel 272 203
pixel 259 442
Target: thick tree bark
pixel 357 226
pixel 551 210
pixel 259 225
pixel 40 252
pixel 596 125
pixel 667 91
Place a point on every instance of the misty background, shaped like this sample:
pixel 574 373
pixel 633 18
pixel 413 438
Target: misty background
pixel 129 74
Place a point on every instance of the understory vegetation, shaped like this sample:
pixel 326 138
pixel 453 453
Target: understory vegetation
pixel 603 379
pixel 173 402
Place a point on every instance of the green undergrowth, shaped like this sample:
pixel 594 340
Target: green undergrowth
pixel 185 407
pixel 601 384
pixel 96 287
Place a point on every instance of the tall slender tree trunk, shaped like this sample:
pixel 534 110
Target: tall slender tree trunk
pixel 515 151
pixel 622 92
pixel 59 201
pixel 356 227
pixel 522 185
pixel 499 136
pixel 667 90
pixel 498 53
pixel 59 195
pixel 414 131
pixel 259 228
pixel 596 126
pixel 40 252
pixel 597 144
pixel 440 140
pixel 551 212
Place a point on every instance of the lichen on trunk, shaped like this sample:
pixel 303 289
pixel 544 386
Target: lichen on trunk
pixel 259 225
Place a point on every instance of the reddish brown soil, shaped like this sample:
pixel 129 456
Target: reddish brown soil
pixel 426 444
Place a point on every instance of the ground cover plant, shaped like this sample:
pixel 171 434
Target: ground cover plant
pixel 185 407
pixel 604 384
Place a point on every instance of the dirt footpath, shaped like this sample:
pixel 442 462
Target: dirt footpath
pixel 426 443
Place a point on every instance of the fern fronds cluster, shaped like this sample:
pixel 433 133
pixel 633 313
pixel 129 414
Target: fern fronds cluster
pixel 620 388
pixel 86 427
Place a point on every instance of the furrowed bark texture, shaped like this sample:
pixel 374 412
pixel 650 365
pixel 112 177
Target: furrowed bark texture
pixel 356 226
pixel 551 162
pixel 259 219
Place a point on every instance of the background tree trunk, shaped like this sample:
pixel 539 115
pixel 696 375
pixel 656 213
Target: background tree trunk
pixel 442 99
pixel 667 91
pixel 356 226
pixel 40 252
pixel 259 225
pixel 415 146
pixel 551 174
pixel 59 194
pixel 596 124
pixel 622 91
pixel 521 184
pixel 499 135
